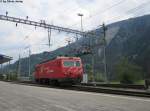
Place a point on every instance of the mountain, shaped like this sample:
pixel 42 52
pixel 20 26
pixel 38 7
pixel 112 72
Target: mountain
pixel 129 38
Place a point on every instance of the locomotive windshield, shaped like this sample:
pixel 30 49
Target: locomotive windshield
pixel 77 63
pixel 71 63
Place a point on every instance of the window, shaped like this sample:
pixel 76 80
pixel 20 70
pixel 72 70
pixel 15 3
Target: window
pixel 71 63
pixel 77 63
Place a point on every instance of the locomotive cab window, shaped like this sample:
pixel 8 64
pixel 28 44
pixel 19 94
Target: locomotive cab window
pixel 68 63
pixel 71 63
pixel 77 63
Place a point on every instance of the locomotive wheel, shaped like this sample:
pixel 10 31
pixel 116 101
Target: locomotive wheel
pixel 37 80
pixel 54 82
pixel 41 81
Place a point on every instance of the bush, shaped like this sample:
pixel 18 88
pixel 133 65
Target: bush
pixel 126 79
pixel 11 76
pixel 88 68
pixel 99 77
pixel 127 72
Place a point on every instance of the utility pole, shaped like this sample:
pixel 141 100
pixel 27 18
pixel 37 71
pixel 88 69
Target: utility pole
pixel 105 44
pixel 29 63
pixel 1 68
pixel 19 67
pixel 93 69
pixel 92 54
pixel 9 73
pixel 49 36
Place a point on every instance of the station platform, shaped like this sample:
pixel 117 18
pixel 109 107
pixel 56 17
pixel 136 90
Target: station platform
pixel 4 59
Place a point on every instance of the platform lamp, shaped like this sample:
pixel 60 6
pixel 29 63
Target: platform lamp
pixel 81 15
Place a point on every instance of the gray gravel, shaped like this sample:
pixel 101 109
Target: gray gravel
pixel 14 97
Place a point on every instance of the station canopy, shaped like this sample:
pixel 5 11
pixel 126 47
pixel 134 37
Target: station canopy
pixel 4 59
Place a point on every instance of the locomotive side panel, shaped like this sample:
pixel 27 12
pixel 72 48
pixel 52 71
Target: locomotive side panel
pixel 50 70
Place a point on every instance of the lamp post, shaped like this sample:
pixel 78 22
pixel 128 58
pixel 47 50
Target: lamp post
pixel 81 15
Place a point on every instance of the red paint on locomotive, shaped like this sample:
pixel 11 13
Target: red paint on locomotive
pixel 61 69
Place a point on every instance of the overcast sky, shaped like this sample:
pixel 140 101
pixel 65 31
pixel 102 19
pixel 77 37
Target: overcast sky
pixel 14 40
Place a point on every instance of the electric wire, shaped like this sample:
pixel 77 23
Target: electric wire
pixel 102 12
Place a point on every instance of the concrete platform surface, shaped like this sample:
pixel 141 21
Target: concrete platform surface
pixel 14 97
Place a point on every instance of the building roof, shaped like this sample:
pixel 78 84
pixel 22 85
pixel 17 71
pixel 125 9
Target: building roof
pixel 4 59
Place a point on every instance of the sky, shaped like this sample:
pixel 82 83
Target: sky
pixel 16 40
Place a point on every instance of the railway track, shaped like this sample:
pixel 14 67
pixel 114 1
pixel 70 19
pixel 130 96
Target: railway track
pixel 96 89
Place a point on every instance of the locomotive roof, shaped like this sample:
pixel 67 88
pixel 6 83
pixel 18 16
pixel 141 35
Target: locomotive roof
pixel 62 57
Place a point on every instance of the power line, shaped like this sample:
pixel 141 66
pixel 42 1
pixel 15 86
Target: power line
pixel 138 7
pixel 102 12
pixel 132 11
pixel 107 9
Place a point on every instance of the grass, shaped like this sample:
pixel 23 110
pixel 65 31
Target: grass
pixel 114 82
pixel 140 82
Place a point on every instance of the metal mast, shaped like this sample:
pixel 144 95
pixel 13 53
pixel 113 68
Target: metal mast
pixel 43 24
pixel 105 44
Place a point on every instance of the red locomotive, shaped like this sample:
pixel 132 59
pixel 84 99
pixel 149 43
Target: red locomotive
pixel 61 69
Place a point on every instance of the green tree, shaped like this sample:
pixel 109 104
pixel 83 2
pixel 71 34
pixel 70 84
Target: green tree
pixel 127 72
